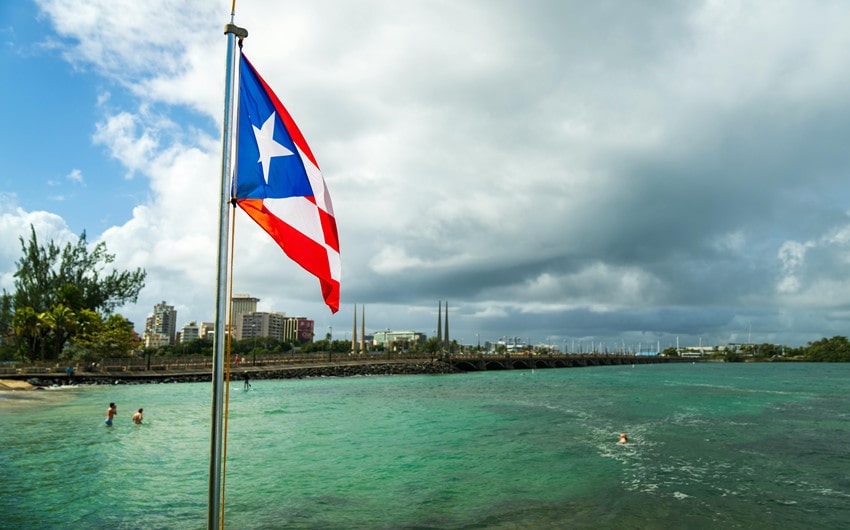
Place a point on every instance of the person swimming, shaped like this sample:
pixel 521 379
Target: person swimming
pixel 623 439
pixel 110 413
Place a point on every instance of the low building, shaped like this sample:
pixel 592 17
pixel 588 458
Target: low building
pixel 207 331
pixel 397 340
pixel 152 339
pixel 190 332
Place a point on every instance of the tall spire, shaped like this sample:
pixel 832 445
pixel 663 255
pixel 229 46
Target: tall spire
pixel 447 326
pixel 354 332
pixel 363 328
pixel 440 322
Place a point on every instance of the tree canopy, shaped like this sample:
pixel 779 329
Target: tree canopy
pixel 836 349
pixel 63 292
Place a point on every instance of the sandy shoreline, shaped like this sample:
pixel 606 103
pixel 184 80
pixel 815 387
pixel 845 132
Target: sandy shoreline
pixel 11 384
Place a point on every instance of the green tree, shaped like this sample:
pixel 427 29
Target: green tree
pixel 768 350
pixel 670 352
pixel 28 333
pixel 431 346
pixel 60 323
pixel 112 337
pixel 836 349
pixel 74 276
pixel 732 356
pixel 53 286
pixel 317 346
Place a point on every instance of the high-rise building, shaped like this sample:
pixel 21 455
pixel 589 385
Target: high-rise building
pixel 241 304
pixel 161 326
pixel 261 324
pixel 275 325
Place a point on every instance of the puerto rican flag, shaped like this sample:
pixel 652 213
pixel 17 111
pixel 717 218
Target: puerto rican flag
pixel 279 185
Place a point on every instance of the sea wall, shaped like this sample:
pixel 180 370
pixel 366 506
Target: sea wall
pixel 330 370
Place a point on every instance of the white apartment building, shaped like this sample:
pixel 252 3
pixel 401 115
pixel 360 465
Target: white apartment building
pixel 190 332
pixel 163 322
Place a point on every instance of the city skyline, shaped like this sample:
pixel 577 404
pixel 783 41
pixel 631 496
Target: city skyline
pixel 247 304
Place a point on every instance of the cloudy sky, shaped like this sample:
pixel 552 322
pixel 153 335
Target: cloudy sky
pixel 615 172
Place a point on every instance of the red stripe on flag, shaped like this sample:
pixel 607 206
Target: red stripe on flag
pixel 312 256
pixel 328 226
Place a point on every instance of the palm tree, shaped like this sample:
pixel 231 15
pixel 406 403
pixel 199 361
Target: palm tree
pixel 61 321
pixel 28 329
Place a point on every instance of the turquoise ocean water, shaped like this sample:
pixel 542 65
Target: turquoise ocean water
pixel 712 445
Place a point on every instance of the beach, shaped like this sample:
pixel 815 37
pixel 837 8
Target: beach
pixel 11 385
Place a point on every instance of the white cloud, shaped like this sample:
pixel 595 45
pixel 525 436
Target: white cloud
pixel 75 176
pixel 120 134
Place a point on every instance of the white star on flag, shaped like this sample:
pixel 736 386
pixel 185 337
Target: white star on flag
pixel 267 145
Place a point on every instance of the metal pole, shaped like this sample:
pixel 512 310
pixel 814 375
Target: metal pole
pixel 216 436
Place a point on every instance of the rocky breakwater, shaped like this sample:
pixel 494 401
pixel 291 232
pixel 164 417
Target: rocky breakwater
pixel 351 370
pixel 408 367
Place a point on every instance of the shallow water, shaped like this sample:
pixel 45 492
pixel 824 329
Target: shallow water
pixel 711 445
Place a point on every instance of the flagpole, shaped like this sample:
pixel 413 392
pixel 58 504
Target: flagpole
pixel 217 432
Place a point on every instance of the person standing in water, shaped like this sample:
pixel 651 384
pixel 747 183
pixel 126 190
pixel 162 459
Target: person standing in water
pixel 623 439
pixel 245 377
pixel 110 413
pixel 137 417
